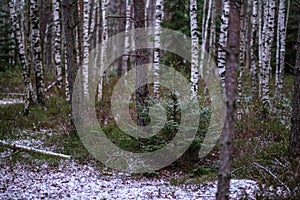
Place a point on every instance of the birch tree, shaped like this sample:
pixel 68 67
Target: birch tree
pixel 204 36
pixel 156 59
pixel 223 41
pixel 280 50
pixel 195 49
pixel 126 57
pixel 241 59
pixel 36 49
pixel 104 37
pixel 20 43
pixel 269 24
pixel 232 57
pixel 212 36
pixel 57 42
pixel 86 48
pixel 253 58
pixel 150 13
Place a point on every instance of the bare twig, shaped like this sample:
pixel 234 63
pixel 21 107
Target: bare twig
pixel 50 86
pixel 273 175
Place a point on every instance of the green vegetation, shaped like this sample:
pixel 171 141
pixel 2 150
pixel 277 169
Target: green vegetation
pixel 257 141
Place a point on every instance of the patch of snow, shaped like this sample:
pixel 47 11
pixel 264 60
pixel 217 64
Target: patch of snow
pixel 71 180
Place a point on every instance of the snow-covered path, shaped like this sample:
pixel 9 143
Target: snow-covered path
pixel 71 180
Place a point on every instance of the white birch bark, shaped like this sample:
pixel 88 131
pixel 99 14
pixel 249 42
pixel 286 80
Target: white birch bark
pixel 280 50
pixel 20 43
pixel 269 24
pixel 203 16
pixel 64 61
pixel 92 17
pixel 204 37
pixel 150 13
pixel 194 49
pixel 254 68
pixel 260 44
pixel 36 49
pixel 86 47
pixel 156 59
pixel 212 37
pixel 241 59
pixel 57 42
pixel 223 41
pixel 104 36
pixel 127 36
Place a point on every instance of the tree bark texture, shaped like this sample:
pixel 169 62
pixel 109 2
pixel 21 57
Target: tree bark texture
pixel 36 49
pixel 194 49
pixel 232 57
pixel 295 129
pixel 141 92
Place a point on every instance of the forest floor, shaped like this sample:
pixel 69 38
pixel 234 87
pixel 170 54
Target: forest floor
pixel 69 179
pixel 262 168
pixel 31 176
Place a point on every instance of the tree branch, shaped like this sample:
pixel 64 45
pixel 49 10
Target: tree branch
pixel 34 150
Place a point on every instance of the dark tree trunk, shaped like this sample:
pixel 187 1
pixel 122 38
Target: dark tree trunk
pixel 141 72
pixel 295 129
pixel 230 85
pixel 69 26
pixel 122 22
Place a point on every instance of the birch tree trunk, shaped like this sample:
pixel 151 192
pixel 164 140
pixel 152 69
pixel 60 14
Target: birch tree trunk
pixel 104 36
pixel 195 49
pixel 241 59
pixel 280 50
pixel 20 43
pixel 204 37
pixel 64 58
pixel 86 48
pixel 126 57
pixel 223 41
pixel 150 12
pixel 226 151
pixel 36 49
pixel 260 45
pixel 156 59
pixel 295 129
pixel 57 42
pixel 254 68
pixel 269 24
pixel 212 37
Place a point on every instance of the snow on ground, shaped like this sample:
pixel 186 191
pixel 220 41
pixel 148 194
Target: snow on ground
pixel 71 180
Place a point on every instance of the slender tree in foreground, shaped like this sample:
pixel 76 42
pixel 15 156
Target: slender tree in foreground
pixel 71 57
pixel 232 56
pixel 295 129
